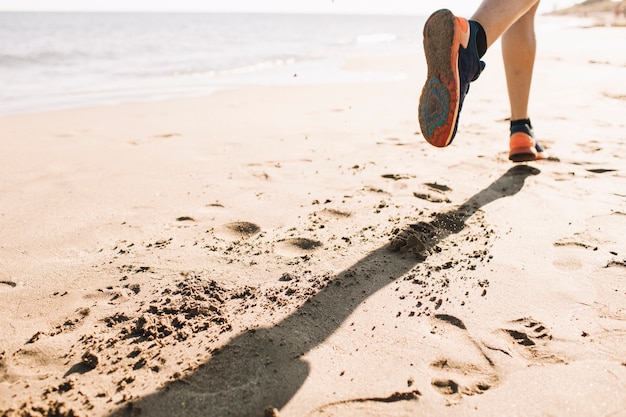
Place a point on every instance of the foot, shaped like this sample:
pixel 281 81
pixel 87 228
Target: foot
pixel 522 145
pixel 453 62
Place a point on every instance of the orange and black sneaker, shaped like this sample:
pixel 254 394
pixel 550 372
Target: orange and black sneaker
pixel 522 144
pixel 453 63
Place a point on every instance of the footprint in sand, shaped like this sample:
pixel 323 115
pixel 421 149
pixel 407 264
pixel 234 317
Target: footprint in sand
pixel 527 331
pixel 398 177
pixel 466 379
pixel 432 198
pixel 464 371
pixel 567 263
pixel 243 229
pixel 238 230
pixel 29 361
pixel 298 246
pixel 328 217
pixel 399 403
pixel 601 170
pixel 438 196
pixel 69 324
pixel 530 337
pixel 602 234
pixel 151 138
pixel 442 188
pixel 332 214
pixel 569 260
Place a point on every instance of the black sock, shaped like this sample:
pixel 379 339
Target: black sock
pixel 521 122
pixel 481 38
pixel 521 125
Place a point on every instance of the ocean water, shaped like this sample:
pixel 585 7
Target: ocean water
pixel 61 60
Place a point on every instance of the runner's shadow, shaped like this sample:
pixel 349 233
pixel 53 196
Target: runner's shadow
pixel 264 367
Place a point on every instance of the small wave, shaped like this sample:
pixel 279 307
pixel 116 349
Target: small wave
pixel 376 38
pixel 213 73
pixel 259 66
pixel 189 71
pixel 38 58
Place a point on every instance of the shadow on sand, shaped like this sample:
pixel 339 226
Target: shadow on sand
pixel 264 367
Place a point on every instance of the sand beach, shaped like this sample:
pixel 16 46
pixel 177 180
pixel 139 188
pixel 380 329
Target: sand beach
pixel 300 250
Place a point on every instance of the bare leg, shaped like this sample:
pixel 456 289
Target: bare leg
pixel 514 21
pixel 518 50
pixel 496 16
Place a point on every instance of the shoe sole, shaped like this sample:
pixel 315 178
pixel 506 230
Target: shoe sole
pixel 439 101
pixel 522 148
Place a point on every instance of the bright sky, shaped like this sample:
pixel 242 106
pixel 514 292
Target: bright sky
pixel 419 7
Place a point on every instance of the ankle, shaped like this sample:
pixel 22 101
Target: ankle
pixel 478 31
pixel 469 56
pixel 521 125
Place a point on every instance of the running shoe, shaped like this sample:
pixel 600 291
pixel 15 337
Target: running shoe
pixel 453 62
pixel 522 145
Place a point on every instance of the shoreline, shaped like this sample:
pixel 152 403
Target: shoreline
pixel 330 70
pixel 192 61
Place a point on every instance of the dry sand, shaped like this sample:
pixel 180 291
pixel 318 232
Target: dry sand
pixel 301 251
